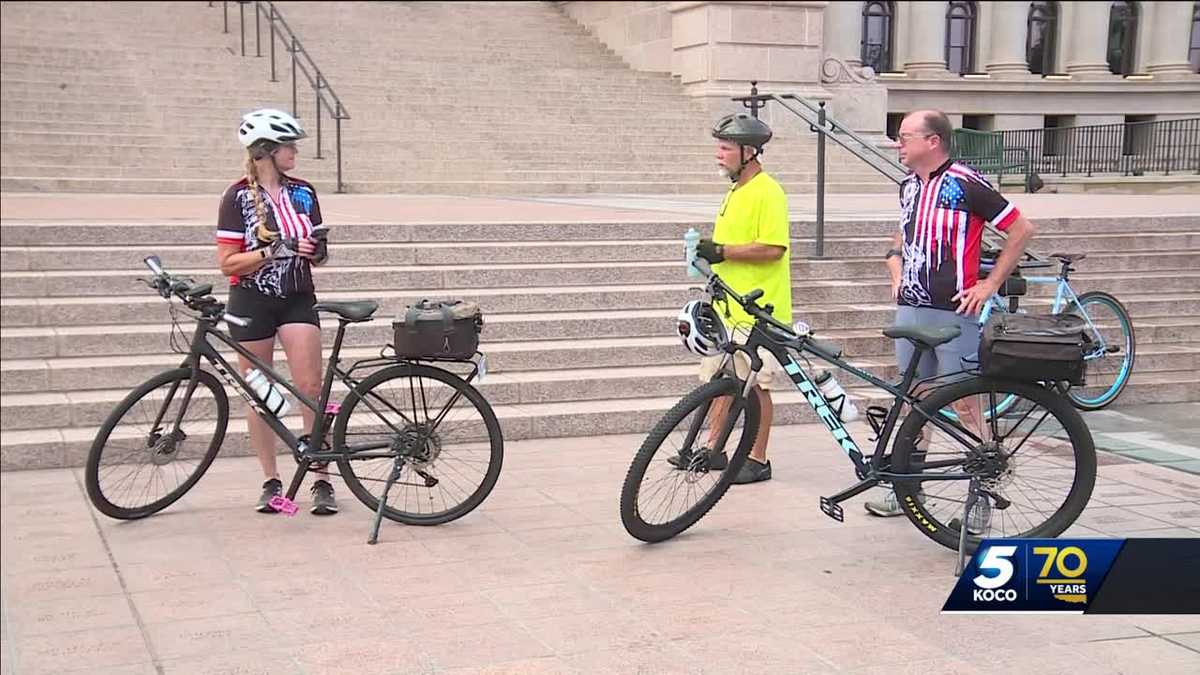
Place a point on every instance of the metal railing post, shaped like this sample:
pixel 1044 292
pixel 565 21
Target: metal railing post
pixel 294 106
pixel 821 181
pixel 271 19
pixel 754 104
pixel 257 32
pixel 337 121
pixel 317 90
pixel 225 12
pixel 242 21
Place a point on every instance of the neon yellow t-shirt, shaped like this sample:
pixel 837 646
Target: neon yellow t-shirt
pixel 756 212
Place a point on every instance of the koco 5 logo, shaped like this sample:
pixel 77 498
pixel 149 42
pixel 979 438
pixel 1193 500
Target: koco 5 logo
pixel 995 571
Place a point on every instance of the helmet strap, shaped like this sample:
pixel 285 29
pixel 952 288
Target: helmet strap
pixel 742 161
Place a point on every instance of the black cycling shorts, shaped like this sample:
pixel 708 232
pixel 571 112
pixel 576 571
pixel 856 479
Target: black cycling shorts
pixel 267 313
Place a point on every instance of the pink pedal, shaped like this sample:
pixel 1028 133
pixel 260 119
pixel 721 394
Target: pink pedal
pixel 333 408
pixel 284 505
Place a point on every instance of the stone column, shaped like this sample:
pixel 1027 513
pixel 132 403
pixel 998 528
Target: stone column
pixel 926 53
pixel 1006 53
pixel 1169 31
pixel 843 32
pixel 719 47
pixel 1088 39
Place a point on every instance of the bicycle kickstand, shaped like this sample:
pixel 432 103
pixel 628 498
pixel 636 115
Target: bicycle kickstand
pixel 972 497
pixel 397 466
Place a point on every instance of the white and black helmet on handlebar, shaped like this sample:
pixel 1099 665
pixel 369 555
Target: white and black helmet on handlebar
pixel 701 329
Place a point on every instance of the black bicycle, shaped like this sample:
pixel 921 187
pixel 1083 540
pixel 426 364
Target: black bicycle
pixel 1026 472
pixel 422 433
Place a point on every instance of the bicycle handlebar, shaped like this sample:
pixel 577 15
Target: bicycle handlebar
pixel 718 289
pixel 197 297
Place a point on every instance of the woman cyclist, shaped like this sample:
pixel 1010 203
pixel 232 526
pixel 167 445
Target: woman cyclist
pixel 267 247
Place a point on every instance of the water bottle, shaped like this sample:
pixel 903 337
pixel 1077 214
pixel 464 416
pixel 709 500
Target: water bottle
pixel 266 390
pixel 836 397
pixel 692 239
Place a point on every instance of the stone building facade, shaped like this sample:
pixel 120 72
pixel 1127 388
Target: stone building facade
pixel 990 65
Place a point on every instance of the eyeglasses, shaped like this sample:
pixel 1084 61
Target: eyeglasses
pixel 904 138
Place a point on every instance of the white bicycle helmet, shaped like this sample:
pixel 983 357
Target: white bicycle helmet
pixel 271 125
pixel 701 329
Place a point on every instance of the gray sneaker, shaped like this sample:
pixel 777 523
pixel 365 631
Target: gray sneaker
pixel 889 506
pixel 272 488
pixel 323 501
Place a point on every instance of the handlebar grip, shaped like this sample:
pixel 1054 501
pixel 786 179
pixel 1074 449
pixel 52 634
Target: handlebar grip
pixel 235 320
pixel 154 264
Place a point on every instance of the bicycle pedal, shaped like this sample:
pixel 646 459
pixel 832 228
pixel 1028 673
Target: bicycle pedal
pixel 283 505
pixel 829 508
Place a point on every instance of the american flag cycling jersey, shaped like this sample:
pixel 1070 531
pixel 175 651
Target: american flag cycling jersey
pixel 941 224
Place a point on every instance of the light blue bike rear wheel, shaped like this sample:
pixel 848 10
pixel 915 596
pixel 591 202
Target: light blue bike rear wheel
pixel 1110 361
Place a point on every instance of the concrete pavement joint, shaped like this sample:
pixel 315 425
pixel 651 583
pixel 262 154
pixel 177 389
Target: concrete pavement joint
pixel 137 616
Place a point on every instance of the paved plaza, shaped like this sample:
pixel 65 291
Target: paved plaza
pixel 543 579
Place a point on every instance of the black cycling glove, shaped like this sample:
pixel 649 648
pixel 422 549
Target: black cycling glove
pixel 710 251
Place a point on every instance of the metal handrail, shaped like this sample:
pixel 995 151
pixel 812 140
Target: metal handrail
pixel 302 62
pixel 828 127
pixel 1127 148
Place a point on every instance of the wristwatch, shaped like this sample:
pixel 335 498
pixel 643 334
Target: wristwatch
pixel 893 252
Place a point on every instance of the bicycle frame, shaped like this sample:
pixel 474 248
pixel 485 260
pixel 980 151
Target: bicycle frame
pixel 202 349
pixel 869 471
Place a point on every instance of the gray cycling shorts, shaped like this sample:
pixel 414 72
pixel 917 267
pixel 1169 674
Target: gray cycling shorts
pixel 949 356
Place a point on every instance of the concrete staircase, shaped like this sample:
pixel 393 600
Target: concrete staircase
pixel 457 98
pixel 580 325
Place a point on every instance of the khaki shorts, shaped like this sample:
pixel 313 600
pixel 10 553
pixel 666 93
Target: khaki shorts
pixel 770 377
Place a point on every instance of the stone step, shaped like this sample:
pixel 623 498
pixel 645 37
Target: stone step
pixel 855 327
pixel 52 448
pixel 197 256
pixel 44 284
pixel 89 408
pixel 72 233
pixel 139 308
pixel 37 184
pixel 512 343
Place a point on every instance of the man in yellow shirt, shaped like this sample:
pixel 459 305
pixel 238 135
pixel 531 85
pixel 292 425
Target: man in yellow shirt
pixel 749 249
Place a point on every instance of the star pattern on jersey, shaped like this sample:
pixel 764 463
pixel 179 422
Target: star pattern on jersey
pixel 951 194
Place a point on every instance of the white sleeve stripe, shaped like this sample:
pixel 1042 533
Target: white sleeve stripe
pixel 1002 215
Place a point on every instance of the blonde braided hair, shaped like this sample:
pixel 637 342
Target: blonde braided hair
pixel 260 210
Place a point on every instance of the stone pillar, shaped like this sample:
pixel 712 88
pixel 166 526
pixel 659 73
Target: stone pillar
pixel 1006 49
pixel 843 32
pixel 1169 31
pixel 719 47
pixel 926 53
pixel 1087 56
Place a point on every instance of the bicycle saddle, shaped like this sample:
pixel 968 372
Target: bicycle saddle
pixel 355 310
pixel 931 336
pixel 1069 257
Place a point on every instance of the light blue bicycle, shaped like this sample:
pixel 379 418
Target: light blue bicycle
pixel 1110 361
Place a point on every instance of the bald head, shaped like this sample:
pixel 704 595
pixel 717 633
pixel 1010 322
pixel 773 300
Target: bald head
pixel 935 123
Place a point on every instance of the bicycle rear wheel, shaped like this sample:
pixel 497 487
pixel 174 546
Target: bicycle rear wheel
pixel 1036 463
pixel 660 499
pixel 139 463
pixel 1110 363
pixel 431 426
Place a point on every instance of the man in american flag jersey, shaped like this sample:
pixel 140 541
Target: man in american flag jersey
pixel 934 261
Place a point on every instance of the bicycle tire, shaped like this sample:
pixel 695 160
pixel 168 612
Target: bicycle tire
pixel 1075 394
pixel 702 396
pixel 105 502
pixel 408 371
pixel 1072 422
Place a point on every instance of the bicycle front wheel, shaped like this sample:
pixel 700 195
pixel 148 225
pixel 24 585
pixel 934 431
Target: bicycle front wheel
pixel 1110 361
pixel 433 429
pixel 1036 462
pixel 142 462
pixel 683 468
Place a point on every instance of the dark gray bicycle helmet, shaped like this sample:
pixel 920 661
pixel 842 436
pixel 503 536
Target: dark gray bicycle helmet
pixel 747 132
pixel 742 129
